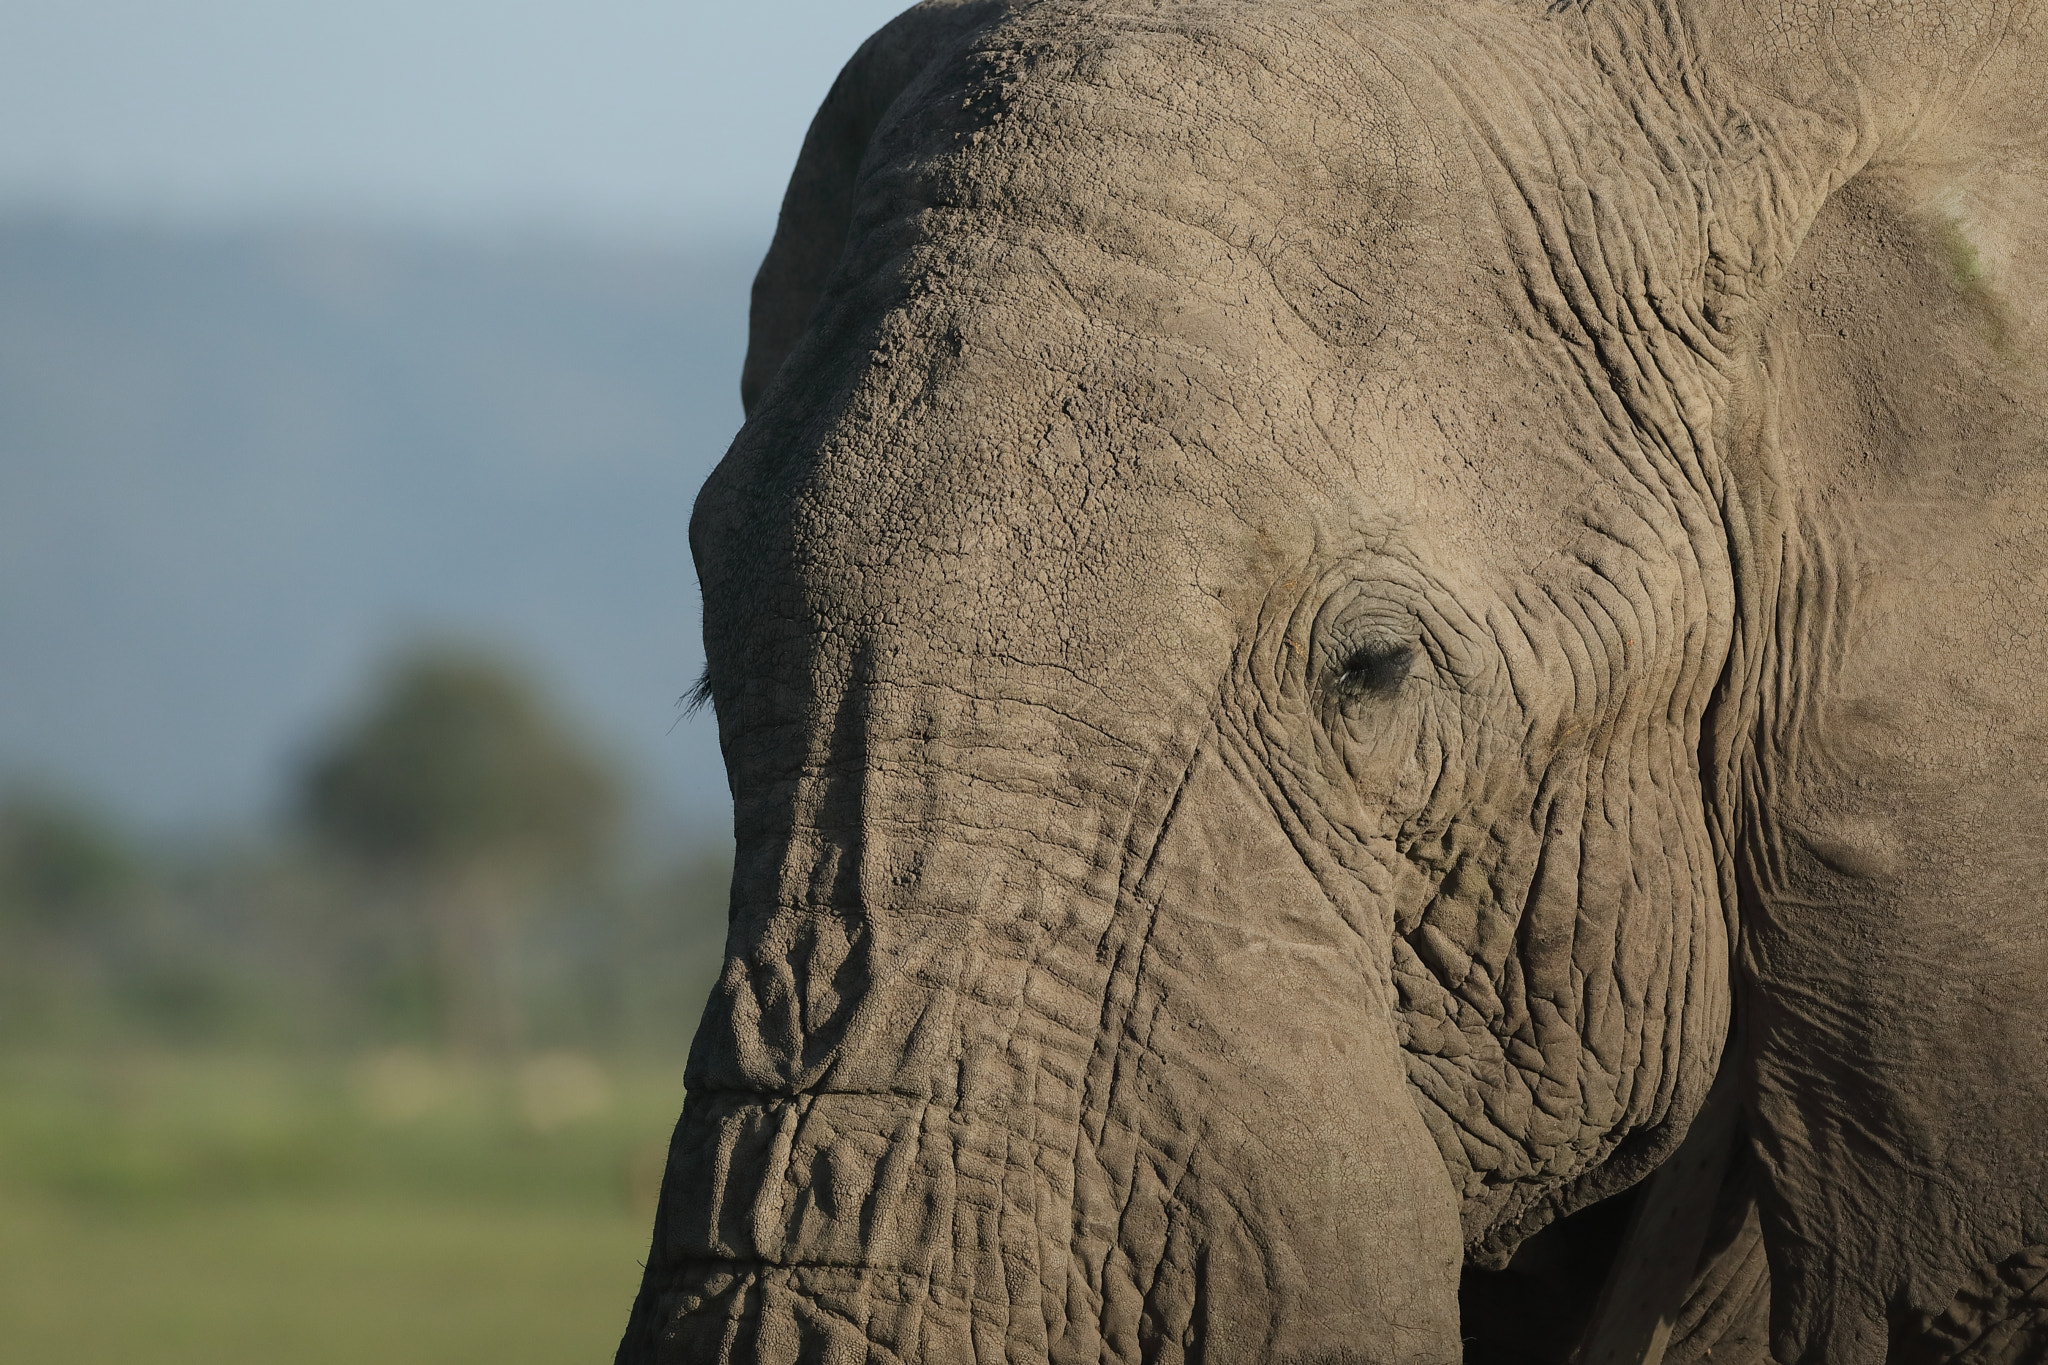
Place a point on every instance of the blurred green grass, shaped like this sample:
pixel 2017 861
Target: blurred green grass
pixel 164 1207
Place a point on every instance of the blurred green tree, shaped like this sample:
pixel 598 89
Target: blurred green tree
pixel 460 783
pixel 63 869
pixel 69 887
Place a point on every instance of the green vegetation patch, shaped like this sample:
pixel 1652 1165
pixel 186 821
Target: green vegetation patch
pixel 394 1206
pixel 314 1280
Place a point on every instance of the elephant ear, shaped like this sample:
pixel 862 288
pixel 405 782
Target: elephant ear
pixel 1878 743
pixel 818 206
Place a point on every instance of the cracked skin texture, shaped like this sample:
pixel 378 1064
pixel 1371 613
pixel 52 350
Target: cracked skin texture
pixel 1318 603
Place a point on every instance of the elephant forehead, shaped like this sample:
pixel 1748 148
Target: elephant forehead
pixel 1144 314
pixel 1231 121
pixel 1007 457
pixel 1190 141
pixel 1005 453
pixel 1233 234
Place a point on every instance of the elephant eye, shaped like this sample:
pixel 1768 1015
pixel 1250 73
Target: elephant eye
pixel 1378 668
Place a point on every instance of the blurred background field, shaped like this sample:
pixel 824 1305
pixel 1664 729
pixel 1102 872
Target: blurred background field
pixel 394 1083
pixel 361 876
pixel 209 1205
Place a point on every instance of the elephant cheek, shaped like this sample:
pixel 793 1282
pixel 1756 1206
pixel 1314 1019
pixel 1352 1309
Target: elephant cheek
pixel 1291 1203
pixel 1269 1191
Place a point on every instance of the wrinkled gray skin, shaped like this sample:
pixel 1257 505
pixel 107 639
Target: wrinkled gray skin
pixel 1316 601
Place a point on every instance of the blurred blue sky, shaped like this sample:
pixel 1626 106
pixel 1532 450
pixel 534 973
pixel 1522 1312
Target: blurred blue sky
pixel 328 325
pixel 619 117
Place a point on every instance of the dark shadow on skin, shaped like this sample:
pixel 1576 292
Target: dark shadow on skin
pixel 1535 1311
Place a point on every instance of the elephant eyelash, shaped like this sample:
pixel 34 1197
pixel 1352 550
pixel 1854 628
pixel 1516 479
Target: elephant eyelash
pixel 699 695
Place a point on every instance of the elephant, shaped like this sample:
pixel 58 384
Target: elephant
pixel 1381 664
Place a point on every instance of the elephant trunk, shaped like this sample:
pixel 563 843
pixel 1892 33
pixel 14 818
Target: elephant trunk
pixel 1003 1067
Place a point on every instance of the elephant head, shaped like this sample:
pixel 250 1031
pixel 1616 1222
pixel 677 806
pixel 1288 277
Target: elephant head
pixel 1318 603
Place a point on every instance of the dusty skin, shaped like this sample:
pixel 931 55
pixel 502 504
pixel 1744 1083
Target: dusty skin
pixel 1324 613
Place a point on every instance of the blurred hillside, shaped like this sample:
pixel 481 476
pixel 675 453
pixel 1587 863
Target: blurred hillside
pixel 238 468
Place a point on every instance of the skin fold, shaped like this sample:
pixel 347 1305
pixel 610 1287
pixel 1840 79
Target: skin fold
pixel 1326 610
